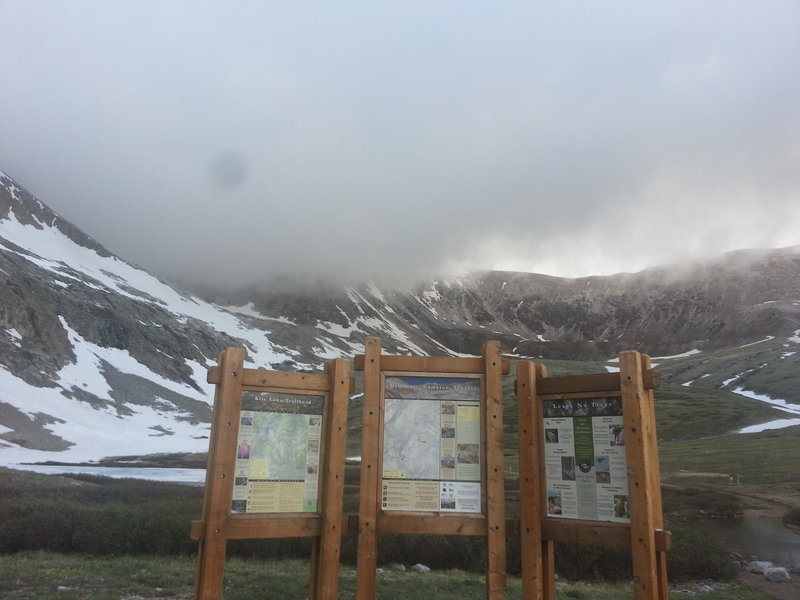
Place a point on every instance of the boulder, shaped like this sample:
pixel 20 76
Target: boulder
pixel 418 568
pixel 759 566
pixel 777 574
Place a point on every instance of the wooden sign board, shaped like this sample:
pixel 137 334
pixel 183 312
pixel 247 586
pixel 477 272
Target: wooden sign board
pixel 432 454
pixel 275 466
pixel 585 468
pixel 589 471
pixel 431 443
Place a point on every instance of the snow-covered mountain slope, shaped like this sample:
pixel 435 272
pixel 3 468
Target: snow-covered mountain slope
pixel 100 357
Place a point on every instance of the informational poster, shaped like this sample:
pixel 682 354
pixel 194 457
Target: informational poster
pixel 584 455
pixel 277 460
pixel 431 444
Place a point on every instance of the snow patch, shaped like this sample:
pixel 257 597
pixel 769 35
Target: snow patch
pixel 336 329
pixel 16 337
pixel 682 355
pixel 94 432
pixel 766 339
pixel 85 372
pixel 689 383
pixel 782 405
pixel 373 289
pixel 778 424
pixel 727 382
pixel 249 310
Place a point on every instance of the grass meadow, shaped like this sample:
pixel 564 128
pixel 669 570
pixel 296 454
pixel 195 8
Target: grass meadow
pixel 55 576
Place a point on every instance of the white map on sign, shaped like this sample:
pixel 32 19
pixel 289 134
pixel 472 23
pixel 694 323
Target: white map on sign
pixel 411 438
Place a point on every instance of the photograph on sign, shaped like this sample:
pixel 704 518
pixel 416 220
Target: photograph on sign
pixel 431 444
pixel 584 459
pixel 278 453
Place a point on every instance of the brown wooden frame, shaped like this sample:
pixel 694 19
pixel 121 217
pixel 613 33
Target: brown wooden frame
pixel 645 533
pixel 219 525
pixel 372 520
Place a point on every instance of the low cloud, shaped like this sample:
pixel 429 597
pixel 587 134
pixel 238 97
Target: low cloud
pixel 226 145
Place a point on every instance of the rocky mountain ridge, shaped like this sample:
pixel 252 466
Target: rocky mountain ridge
pixel 731 300
pixel 99 357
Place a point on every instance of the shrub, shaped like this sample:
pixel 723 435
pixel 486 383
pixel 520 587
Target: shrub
pixel 98 515
pixel 696 555
pixel 692 501
pixel 436 551
pixel 592 563
pixel 95 514
pixel 792 517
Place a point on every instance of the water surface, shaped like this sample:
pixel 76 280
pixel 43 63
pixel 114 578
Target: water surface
pixel 757 538
pixel 195 476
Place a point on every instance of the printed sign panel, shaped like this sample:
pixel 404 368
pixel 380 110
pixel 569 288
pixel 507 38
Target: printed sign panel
pixel 277 460
pixel 584 456
pixel 432 444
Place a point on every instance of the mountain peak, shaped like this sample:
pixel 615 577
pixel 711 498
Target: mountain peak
pixel 28 210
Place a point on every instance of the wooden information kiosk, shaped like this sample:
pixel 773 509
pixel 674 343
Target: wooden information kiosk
pixel 432 463
pixel 432 454
pixel 589 471
pixel 275 467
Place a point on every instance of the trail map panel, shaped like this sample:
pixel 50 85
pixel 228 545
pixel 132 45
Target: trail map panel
pixel 277 460
pixel 585 464
pixel 431 444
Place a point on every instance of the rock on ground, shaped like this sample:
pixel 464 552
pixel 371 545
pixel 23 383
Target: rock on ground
pixel 777 574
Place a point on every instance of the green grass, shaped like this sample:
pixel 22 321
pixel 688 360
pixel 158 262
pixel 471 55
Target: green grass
pixel 687 413
pixel 50 576
pixel 687 502
pixel 764 462
pixel 767 368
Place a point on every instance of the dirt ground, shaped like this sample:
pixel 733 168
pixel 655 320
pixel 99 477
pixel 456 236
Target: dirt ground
pixel 779 591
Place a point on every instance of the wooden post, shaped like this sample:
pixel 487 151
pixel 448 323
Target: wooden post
pixel 495 486
pixel 655 483
pixel 641 468
pixel 530 484
pixel 219 477
pixel 538 553
pixel 325 561
pixel 371 433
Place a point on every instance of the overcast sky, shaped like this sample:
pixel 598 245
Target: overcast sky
pixel 224 142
